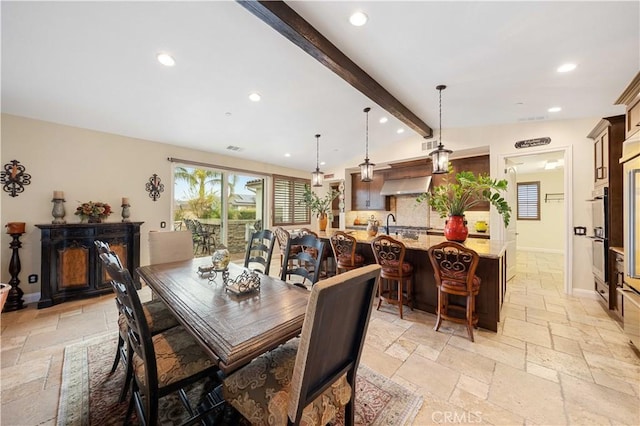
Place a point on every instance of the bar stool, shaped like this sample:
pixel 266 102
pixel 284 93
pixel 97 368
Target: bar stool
pixel 389 254
pixel 454 267
pixel 344 252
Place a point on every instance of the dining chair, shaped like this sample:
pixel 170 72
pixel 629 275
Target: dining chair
pixel 259 251
pixel 283 237
pixel 158 317
pixel 311 378
pixel 324 270
pixel 344 251
pixel 396 271
pixel 454 268
pixel 305 263
pixel 170 246
pixel 163 363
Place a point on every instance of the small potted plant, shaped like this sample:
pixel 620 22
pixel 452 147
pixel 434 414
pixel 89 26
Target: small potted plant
pixel 321 207
pixel 452 200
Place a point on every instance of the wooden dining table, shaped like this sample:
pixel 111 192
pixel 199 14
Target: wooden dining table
pixel 233 329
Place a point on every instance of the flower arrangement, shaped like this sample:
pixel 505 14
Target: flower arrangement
pixel 93 211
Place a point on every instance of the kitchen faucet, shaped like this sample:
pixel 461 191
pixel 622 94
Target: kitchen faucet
pixel 394 221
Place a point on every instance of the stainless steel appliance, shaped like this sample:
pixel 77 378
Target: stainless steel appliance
pixel 631 202
pixel 599 242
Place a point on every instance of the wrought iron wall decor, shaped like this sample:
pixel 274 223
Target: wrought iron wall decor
pixel 154 187
pixel 13 178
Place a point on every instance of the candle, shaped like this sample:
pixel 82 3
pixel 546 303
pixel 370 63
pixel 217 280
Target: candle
pixel 125 201
pixel 58 194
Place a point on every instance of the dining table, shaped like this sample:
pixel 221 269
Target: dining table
pixel 232 328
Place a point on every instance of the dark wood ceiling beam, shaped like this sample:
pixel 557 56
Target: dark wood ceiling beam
pixel 287 22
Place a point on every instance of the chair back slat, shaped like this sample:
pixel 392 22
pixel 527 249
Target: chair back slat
pixel 306 262
pixel 259 251
pixel 332 337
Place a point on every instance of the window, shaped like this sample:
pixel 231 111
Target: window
pixel 529 200
pixel 287 192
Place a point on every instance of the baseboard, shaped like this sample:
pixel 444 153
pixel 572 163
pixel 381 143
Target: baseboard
pixel 31 297
pixel 587 294
pixel 540 250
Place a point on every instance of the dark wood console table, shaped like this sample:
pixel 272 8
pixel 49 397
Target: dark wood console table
pixel 70 267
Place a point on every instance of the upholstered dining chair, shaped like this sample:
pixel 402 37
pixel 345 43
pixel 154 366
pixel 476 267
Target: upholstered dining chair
pixel 309 379
pixel 454 268
pixel 170 246
pixel 259 251
pixel 389 254
pixel 344 251
pixel 159 318
pixel 304 264
pixel 163 363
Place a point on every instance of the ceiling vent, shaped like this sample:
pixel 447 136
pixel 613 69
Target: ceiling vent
pixel 429 145
pixel 234 148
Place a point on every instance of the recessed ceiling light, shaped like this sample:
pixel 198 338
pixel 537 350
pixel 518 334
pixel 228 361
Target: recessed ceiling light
pixel 566 67
pixel 287 155
pixel 255 97
pixel 322 163
pixel 384 120
pixel 166 59
pixel 400 131
pixel 358 19
pixel 554 109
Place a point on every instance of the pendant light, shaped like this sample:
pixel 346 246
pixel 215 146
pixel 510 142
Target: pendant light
pixel 366 168
pixel 440 157
pixel 317 177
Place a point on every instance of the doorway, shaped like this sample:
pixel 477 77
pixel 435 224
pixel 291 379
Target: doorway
pixel 551 171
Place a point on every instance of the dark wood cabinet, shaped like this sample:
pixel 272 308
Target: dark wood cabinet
pixel 70 266
pixel 366 195
pixel 616 278
pixel 476 165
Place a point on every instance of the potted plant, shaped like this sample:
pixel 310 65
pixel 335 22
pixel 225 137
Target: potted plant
pixel 452 200
pixel 321 207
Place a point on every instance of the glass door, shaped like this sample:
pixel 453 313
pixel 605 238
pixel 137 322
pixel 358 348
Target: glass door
pixel 213 219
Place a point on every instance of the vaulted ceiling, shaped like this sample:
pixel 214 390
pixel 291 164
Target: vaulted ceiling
pixel 93 65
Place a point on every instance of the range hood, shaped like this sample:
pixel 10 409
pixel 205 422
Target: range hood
pixel 406 186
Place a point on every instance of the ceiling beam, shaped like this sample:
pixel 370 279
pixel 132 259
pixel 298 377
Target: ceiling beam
pixel 287 22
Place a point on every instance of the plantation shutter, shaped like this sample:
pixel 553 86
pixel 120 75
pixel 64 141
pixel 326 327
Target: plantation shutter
pixel 529 201
pixel 287 192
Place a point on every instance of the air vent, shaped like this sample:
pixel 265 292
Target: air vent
pixel 536 118
pixel 234 148
pixel 429 145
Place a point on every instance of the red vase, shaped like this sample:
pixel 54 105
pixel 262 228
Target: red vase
pixel 455 229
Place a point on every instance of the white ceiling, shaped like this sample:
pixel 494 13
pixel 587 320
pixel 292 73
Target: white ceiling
pixel 93 65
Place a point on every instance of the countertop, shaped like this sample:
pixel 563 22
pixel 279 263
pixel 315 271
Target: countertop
pixel 419 229
pixel 485 248
pixel 619 250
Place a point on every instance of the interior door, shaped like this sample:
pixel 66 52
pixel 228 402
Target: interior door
pixel 511 198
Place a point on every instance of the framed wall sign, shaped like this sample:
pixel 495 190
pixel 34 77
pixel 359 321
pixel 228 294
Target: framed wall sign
pixel 528 143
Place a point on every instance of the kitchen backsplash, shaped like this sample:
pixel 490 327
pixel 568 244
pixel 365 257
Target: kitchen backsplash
pixel 410 213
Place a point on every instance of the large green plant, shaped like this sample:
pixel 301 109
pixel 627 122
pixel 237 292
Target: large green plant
pixel 318 206
pixel 453 199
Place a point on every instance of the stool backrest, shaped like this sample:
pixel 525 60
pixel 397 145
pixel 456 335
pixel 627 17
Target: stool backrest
pixel 389 253
pixel 452 261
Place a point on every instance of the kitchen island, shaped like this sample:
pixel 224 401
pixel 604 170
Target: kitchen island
pixel 492 271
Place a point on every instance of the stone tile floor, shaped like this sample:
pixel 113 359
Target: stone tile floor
pixel 556 359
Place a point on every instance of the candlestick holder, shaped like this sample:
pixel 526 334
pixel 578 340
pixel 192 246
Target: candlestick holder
pixel 14 299
pixel 58 211
pixel 125 212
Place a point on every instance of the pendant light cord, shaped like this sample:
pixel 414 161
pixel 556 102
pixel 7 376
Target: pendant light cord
pixel 440 89
pixel 366 151
pixel 317 153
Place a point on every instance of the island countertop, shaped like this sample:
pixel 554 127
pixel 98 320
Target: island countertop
pixel 485 248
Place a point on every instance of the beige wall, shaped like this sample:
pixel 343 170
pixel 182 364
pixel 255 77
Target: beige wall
pixel 546 234
pixel 89 165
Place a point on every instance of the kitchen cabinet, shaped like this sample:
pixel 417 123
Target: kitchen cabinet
pixel 631 99
pixel 616 277
pixel 366 195
pixel 477 165
pixel 70 266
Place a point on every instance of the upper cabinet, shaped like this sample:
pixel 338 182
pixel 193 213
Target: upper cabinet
pixel 631 98
pixel 366 195
pixel 607 136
